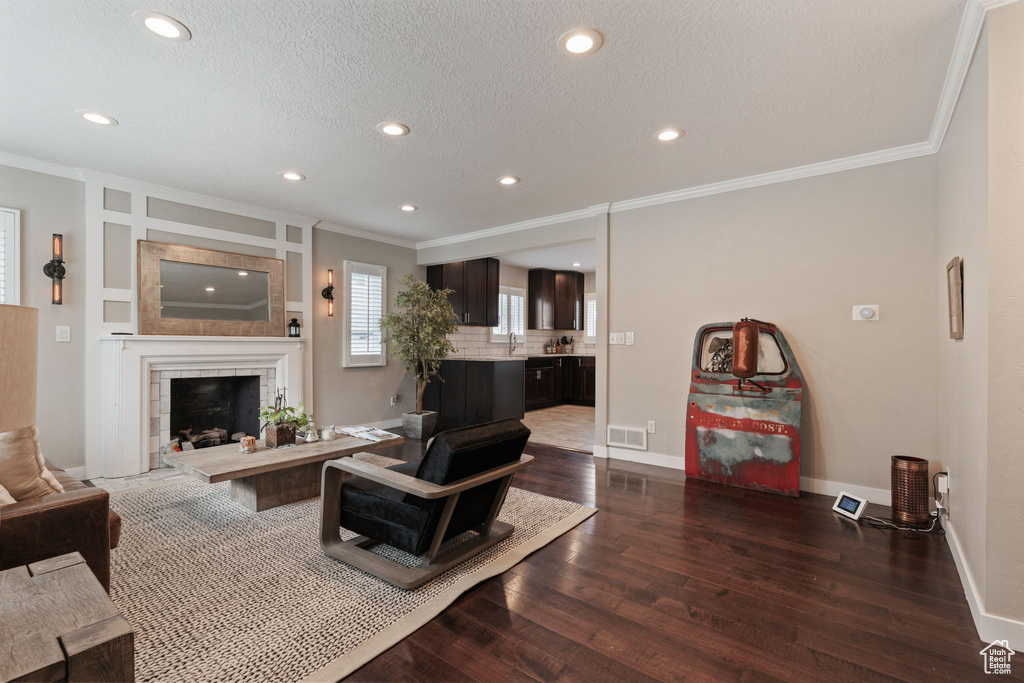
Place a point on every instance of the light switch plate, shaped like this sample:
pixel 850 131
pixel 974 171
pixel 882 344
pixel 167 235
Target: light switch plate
pixel 629 339
pixel 616 337
pixel 859 313
pixel 63 333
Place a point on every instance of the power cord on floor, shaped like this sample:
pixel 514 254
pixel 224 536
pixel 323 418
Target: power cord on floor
pixel 940 504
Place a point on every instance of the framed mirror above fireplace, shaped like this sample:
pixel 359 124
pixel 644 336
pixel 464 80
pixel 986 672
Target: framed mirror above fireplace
pixel 192 291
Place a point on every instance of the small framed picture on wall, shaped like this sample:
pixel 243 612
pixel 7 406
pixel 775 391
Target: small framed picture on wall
pixel 955 287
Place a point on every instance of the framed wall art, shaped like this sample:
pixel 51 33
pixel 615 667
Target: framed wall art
pixel 955 289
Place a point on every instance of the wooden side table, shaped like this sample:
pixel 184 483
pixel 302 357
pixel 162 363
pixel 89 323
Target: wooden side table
pixel 58 624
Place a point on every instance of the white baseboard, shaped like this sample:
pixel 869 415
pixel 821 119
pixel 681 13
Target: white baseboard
pixel 833 488
pixel 646 457
pixel 76 472
pixel 990 627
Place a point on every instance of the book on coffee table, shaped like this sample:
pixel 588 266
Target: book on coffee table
pixel 368 433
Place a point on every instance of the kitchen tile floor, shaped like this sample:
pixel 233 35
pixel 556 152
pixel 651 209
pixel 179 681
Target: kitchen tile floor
pixel 564 426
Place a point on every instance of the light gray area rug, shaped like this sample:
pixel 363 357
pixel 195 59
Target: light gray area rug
pixel 216 592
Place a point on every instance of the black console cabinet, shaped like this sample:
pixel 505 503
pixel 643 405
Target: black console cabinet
pixel 476 392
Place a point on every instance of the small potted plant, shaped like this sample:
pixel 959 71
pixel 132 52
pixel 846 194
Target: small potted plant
pixel 417 333
pixel 280 422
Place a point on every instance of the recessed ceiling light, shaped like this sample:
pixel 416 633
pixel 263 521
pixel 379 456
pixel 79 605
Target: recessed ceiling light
pixel 210 289
pixel 576 265
pixel 408 207
pixel 581 41
pixel 242 272
pixel 292 175
pixel 94 117
pixel 669 134
pixel 393 128
pixel 508 180
pixel 163 25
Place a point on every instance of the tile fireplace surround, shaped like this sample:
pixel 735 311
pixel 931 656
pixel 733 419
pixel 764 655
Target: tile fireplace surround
pixel 160 400
pixel 135 412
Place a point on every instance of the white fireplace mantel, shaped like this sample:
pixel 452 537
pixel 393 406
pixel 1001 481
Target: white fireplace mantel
pixel 128 360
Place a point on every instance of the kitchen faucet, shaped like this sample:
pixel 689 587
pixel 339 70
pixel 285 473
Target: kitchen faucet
pixel 511 342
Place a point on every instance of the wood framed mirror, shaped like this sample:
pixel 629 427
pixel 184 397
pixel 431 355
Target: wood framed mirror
pixel 192 291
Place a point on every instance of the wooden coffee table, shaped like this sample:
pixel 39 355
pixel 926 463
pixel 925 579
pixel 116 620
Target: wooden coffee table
pixel 270 477
pixel 58 624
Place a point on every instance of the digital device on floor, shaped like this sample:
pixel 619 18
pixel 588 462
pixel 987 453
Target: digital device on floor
pixel 849 505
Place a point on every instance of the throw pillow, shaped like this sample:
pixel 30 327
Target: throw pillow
pixel 5 498
pixel 22 470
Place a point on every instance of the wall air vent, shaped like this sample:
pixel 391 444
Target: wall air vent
pixel 627 437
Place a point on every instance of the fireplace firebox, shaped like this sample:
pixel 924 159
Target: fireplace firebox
pixel 212 411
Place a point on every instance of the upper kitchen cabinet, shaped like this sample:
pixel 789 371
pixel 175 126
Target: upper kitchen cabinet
pixel 474 286
pixel 555 300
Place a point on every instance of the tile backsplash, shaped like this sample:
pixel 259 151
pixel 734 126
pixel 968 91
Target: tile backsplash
pixel 472 342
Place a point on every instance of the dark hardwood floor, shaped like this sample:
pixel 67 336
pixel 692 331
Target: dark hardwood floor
pixel 692 581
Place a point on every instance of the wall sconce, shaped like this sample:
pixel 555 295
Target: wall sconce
pixel 55 270
pixel 328 293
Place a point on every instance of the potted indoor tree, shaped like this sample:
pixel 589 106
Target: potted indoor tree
pixel 417 333
pixel 280 421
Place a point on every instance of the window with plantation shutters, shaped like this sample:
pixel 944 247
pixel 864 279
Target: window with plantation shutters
pixel 590 310
pixel 365 294
pixel 511 313
pixel 9 228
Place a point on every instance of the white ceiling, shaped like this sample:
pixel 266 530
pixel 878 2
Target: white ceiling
pixel 265 86
pixel 556 258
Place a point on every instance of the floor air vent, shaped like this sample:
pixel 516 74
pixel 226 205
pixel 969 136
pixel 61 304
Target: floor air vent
pixel 627 437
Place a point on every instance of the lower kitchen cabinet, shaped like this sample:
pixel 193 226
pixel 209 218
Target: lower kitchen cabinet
pixel 476 392
pixel 551 380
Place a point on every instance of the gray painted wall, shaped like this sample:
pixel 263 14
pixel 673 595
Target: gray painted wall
pixel 51 204
pixel 963 364
pixel 355 395
pixel 799 254
pixel 1005 552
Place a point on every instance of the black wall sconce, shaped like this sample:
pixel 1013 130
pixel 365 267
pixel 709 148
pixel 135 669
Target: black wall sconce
pixel 328 293
pixel 55 270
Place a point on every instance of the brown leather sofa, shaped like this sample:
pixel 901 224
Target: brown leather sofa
pixel 80 519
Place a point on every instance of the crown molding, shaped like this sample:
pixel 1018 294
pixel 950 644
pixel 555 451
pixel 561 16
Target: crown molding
pixel 364 234
pixel 822 168
pixel 993 4
pixel 47 167
pixel 515 227
pixel 967 38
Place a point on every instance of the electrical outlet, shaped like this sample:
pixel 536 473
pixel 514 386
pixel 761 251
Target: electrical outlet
pixel 394 400
pixel 942 482
pixel 650 427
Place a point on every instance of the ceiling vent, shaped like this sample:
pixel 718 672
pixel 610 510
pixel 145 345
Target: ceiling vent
pixel 627 437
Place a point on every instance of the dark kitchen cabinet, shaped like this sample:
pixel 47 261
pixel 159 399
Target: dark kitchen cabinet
pixel 474 286
pixel 476 392
pixel 588 380
pixel 555 300
pixel 541 382
pixel 551 380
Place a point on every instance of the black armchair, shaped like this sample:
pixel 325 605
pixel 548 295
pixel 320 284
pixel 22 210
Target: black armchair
pixel 458 486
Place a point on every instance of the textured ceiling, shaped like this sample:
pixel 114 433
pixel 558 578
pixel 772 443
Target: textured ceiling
pixel 265 85
pixel 556 258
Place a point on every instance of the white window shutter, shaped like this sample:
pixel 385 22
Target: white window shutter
pixel 365 302
pixel 590 303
